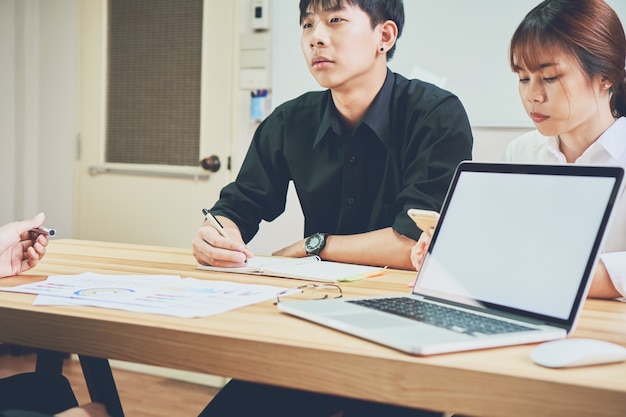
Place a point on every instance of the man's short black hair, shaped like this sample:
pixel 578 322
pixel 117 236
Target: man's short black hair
pixel 379 11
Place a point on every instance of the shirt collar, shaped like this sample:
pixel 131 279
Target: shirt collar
pixel 377 117
pixel 554 148
pixel 612 140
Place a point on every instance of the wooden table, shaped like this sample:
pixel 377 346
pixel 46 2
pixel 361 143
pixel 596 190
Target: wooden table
pixel 257 343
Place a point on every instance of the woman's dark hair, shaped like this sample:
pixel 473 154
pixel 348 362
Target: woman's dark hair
pixel 589 30
pixel 379 11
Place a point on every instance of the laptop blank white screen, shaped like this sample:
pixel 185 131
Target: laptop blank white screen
pixel 517 240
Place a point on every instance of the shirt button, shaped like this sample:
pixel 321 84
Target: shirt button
pixel 350 200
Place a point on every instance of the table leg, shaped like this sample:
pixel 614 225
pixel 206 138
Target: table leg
pixel 49 361
pixel 100 384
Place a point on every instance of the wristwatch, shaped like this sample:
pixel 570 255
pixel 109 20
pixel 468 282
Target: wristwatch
pixel 315 243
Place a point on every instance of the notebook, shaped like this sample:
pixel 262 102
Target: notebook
pixel 510 262
pixel 310 268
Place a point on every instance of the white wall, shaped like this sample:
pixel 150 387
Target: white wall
pixel 7 110
pixel 37 110
pixel 464 43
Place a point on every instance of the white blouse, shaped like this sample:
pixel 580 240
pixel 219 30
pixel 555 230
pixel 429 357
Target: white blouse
pixel 609 149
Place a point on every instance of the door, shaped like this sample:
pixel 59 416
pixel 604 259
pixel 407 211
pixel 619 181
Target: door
pixel 153 203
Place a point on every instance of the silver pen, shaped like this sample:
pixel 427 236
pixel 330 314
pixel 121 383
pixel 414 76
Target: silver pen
pixel 41 230
pixel 215 223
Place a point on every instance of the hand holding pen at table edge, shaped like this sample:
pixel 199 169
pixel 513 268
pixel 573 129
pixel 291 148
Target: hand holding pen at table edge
pixel 219 243
pixel 20 247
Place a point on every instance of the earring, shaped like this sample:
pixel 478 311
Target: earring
pixel 382 49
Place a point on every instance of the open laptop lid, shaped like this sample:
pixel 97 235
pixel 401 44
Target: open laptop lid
pixel 520 239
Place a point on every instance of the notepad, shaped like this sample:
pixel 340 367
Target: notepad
pixel 310 268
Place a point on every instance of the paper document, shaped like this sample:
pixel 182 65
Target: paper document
pixel 311 268
pixel 158 294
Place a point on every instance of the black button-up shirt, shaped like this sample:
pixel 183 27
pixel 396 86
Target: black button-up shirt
pixel 401 155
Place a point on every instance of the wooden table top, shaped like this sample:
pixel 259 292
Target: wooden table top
pixel 258 343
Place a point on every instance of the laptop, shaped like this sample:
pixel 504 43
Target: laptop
pixel 510 262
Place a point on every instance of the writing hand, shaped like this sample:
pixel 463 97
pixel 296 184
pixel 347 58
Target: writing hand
pixel 211 248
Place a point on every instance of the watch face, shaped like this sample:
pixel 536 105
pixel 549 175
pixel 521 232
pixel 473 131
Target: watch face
pixel 314 244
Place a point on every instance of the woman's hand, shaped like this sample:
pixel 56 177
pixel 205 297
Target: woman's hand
pixel 419 249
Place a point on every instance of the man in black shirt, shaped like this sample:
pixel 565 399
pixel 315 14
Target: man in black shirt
pixel 360 154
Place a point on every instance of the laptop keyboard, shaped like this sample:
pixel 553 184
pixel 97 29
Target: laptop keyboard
pixel 441 316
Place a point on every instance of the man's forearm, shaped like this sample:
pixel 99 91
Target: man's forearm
pixel 384 247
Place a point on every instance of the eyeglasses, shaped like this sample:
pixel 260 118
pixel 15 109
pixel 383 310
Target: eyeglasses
pixel 310 292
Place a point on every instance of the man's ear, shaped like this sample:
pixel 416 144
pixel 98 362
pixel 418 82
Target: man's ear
pixel 388 34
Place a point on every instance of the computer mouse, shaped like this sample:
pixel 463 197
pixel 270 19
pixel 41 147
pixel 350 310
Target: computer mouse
pixel 567 353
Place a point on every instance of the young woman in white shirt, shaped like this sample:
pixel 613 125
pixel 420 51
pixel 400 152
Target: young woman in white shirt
pixel 570 56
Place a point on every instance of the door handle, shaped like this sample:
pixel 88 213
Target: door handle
pixel 211 163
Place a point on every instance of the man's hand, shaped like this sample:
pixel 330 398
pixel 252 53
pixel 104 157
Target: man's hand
pixel 211 248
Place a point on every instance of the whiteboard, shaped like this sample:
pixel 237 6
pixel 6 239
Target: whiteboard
pixel 460 45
